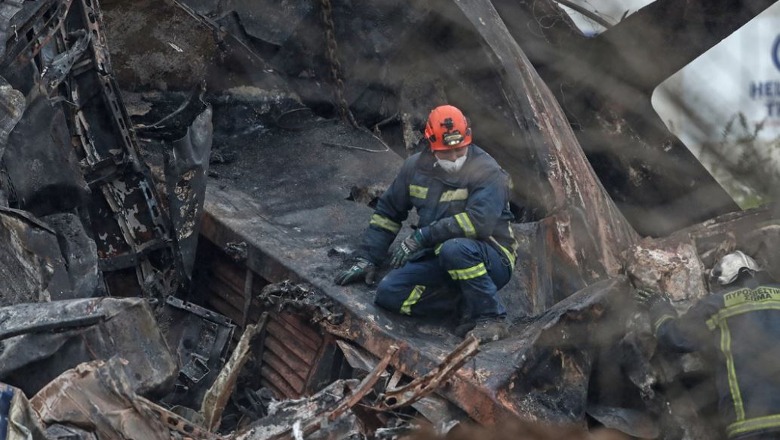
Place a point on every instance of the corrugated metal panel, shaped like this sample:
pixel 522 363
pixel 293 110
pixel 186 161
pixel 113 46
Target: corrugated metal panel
pixel 291 346
pixel 291 350
pixel 225 286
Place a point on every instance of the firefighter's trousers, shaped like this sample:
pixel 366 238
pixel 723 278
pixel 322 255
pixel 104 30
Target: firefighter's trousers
pixel 472 268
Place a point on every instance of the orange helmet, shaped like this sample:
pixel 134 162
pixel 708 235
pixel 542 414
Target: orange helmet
pixel 447 128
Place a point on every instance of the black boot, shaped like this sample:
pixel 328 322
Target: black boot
pixel 465 326
pixel 466 321
pixel 489 330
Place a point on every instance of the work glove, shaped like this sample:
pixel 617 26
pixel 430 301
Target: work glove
pixel 361 269
pixel 654 302
pixel 647 298
pixel 408 248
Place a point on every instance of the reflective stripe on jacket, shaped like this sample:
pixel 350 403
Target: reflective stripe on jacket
pixel 472 203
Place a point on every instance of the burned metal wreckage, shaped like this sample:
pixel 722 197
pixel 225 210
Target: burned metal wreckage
pixel 142 298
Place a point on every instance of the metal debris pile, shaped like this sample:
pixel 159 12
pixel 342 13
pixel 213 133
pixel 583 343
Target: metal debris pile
pixel 88 375
pixel 158 284
pixel 100 222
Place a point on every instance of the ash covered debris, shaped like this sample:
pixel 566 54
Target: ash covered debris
pixel 106 192
pixel 74 150
pixel 305 299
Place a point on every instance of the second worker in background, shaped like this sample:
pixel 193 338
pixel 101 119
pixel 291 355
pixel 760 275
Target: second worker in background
pixel 463 242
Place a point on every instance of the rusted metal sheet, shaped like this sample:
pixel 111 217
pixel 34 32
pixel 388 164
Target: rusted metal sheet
pixel 72 397
pixel 225 290
pixel 227 285
pixel 293 347
pixel 69 398
pixel 277 383
pixel 420 387
pixel 296 360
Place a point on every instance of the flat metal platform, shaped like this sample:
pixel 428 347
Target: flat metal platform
pixel 288 202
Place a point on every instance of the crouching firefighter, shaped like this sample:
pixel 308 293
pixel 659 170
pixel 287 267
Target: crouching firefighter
pixel 740 320
pixel 464 242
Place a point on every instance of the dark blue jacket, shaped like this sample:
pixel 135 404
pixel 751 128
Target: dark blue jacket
pixel 472 203
pixel 743 324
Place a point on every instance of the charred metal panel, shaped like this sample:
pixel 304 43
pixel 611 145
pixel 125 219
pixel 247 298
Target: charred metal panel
pixel 226 289
pixel 186 173
pixel 200 339
pixel 70 397
pixel 57 57
pixel 80 254
pixel 38 341
pixel 40 162
pixel 184 137
pixel 31 266
pixel 12 106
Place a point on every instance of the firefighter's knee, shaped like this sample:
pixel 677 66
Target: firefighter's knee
pixel 387 295
pixel 453 251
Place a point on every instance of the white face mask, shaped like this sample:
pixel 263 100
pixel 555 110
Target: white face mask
pixel 450 166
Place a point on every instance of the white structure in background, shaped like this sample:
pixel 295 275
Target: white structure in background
pixel 730 93
pixel 739 76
